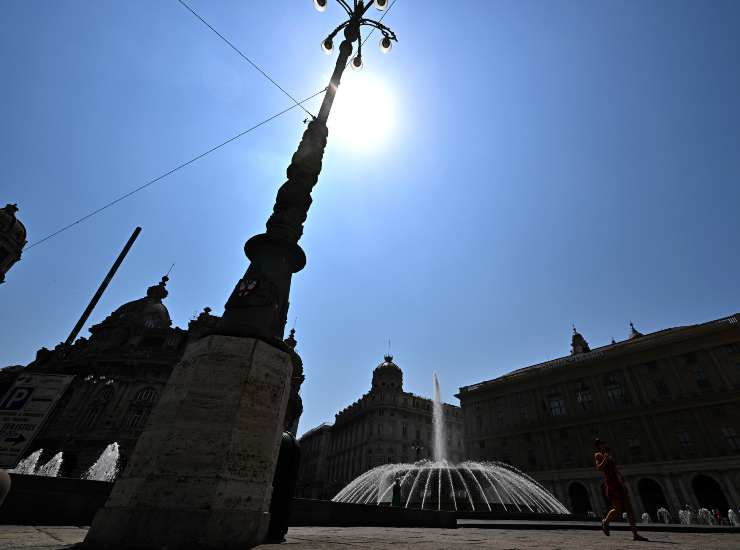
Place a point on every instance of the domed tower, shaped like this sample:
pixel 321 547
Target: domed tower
pixel 387 376
pixel 127 324
pixel 12 239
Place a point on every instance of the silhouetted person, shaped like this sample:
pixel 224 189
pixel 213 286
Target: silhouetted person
pixel 396 501
pixel 283 487
pixel 614 488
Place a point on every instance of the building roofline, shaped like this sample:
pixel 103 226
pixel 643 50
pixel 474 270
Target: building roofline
pixel 596 353
pixel 320 427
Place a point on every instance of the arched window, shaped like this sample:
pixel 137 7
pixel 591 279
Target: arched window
pixel 90 417
pixel 140 408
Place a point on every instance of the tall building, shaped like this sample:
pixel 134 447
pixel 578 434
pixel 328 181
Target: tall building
pixel 12 239
pixel 120 371
pixel 386 425
pixel 667 404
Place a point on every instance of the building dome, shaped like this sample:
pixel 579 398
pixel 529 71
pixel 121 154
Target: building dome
pixel 12 238
pixel 11 226
pixel 388 376
pixel 388 363
pixel 134 317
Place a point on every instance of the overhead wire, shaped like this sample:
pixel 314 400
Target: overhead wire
pixel 244 56
pixel 209 151
pixel 168 173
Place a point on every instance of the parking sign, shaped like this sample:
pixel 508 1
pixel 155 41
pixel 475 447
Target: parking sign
pixel 23 410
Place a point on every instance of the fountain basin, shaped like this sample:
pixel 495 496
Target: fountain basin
pixel 468 486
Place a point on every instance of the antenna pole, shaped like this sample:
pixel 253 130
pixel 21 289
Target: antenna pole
pixel 101 288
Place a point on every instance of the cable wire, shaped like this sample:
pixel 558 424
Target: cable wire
pixel 168 173
pixel 252 63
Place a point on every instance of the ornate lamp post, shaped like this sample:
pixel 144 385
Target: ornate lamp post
pixel 258 306
pixel 202 470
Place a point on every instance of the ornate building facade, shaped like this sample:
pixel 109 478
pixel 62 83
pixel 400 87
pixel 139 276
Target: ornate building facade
pixel 12 239
pixel 386 425
pixel 120 371
pixel 667 404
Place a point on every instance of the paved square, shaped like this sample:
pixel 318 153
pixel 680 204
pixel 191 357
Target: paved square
pixel 350 538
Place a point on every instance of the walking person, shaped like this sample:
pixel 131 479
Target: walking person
pixel 614 488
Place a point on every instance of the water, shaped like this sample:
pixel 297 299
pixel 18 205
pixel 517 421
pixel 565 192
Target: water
pixel 664 515
pixel 439 485
pixel 439 451
pixel 27 466
pixel 106 466
pixel 52 467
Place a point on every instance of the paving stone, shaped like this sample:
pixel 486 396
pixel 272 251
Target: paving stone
pixel 14 537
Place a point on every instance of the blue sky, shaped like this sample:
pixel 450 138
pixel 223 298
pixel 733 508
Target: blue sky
pixel 538 164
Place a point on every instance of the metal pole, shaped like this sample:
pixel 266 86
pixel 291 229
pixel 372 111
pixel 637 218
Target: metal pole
pixel 102 287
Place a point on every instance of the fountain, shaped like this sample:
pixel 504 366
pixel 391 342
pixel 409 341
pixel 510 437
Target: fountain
pixel 664 515
pixel 440 449
pixel 52 467
pixel 732 517
pixel 645 518
pixel 705 517
pixel 27 466
pixel 105 467
pixel 439 485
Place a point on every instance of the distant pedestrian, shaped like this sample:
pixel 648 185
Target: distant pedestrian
pixel 396 501
pixel 614 488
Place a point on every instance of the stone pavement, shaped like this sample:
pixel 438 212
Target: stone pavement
pixel 351 538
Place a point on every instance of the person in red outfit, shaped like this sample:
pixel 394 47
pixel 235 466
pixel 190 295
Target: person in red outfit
pixel 614 489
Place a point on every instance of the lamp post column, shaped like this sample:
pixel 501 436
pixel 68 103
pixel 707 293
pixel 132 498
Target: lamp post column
pixel 258 305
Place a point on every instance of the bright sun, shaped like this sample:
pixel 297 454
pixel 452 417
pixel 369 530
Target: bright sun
pixel 363 115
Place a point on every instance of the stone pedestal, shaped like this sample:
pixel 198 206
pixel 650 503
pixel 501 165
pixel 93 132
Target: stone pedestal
pixel 201 473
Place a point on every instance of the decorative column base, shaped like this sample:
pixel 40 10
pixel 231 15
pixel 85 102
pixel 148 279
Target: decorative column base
pixel 200 476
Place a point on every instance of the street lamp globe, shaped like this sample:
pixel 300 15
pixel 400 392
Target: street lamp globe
pixel 320 5
pixel 386 44
pixel 382 5
pixel 327 46
pixel 357 63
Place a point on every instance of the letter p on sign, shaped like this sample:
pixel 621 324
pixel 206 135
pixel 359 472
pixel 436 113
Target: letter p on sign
pixel 16 399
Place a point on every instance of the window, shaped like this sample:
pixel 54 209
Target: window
pixel 584 398
pixel 147 395
pixel 478 422
pixel 684 440
pixel 380 429
pixel 404 430
pixel 731 437
pixel 614 391
pixel 380 412
pixel 568 457
pixel 701 377
pixel 557 406
pixel 481 444
pixel 661 388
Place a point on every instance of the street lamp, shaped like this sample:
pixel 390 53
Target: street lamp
pixel 258 305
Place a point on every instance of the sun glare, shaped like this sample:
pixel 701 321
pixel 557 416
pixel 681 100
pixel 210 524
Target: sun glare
pixel 363 114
